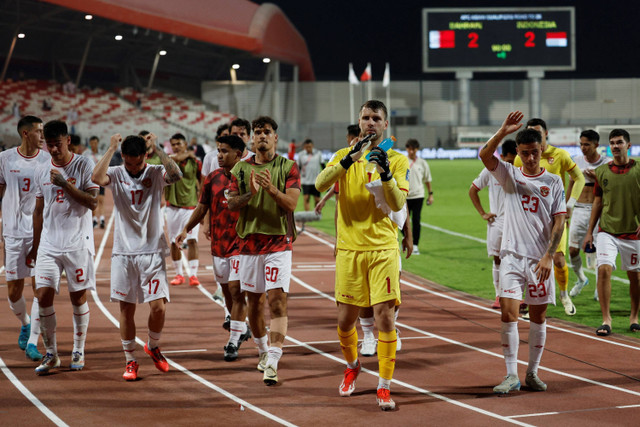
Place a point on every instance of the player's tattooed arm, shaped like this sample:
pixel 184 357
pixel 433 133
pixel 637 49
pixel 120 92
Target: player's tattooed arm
pixel 556 233
pixel 174 174
pixel 238 201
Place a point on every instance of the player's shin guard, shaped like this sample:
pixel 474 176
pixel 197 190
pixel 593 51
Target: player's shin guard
pixel 48 325
pixel 35 322
pixel 537 338
pixel 80 326
pixel 349 345
pixel 562 277
pixel 387 353
pixel 510 342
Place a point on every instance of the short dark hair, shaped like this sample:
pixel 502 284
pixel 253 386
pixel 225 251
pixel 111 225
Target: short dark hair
pixel 353 130
pixel 306 141
pixel 143 133
pixel 221 129
pixel 537 122
pixel 509 147
pixel 620 132
pixel 179 136
pixel 55 129
pixel 375 105
pixel 591 135
pixel 75 140
pixel 262 121
pixel 94 137
pixel 134 145
pixel 233 141
pixel 412 143
pixel 27 121
pixel 241 123
pixel 527 136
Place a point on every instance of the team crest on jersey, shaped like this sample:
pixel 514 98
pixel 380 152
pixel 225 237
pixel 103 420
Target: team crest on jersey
pixel 550 160
pixel 146 182
pixel 71 181
pixel 226 194
pixel 544 191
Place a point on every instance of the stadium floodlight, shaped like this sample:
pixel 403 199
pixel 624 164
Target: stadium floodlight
pixel 118 37
pixel 266 60
pixel 235 66
pixel 88 17
pixel 21 36
pixel 162 53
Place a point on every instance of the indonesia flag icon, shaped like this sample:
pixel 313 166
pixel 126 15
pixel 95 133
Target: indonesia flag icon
pixel 557 39
pixel 442 39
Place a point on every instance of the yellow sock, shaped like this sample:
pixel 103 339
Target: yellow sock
pixel 387 353
pixel 562 277
pixel 349 344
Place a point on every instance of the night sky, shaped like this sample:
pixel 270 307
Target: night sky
pixel 359 31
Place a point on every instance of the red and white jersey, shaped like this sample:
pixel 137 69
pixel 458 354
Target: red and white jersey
pixel 584 165
pixel 139 225
pixel 67 225
pixel 530 203
pixel 496 195
pixel 19 200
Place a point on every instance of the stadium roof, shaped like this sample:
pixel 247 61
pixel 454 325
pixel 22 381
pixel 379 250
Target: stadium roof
pixel 203 38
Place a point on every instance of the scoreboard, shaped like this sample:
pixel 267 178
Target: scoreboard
pixel 498 39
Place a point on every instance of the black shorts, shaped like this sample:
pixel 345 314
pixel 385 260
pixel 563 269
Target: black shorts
pixel 310 189
pixel 101 191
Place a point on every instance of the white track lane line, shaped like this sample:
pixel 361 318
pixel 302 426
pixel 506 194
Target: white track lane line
pixel 610 341
pixel 96 299
pixel 34 400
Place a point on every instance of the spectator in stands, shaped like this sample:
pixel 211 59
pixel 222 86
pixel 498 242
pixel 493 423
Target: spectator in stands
pixel 310 165
pixel 182 199
pixel 46 105
pixel 197 148
pixel 16 110
pixel 94 154
pixel 291 154
pixel 420 175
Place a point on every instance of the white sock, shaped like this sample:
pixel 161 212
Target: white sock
pixel 383 383
pixel 275 353
pixel 35 322
pixel 262 343
pixel 576 264
pixel 19 308
pixel 193 267
pixel 496 277
pixel 48 325
pixel 395 314
pixel 178 266
pixel 237 329
pixel 367 324
pixel 510 342
pixel 129 347
pixel 154 337
pixel 80 325
pixel 537 338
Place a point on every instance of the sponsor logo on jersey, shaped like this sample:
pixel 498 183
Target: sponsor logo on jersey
pixel 146 183
pixel 544 190
pixel 71 180
pixel 14 170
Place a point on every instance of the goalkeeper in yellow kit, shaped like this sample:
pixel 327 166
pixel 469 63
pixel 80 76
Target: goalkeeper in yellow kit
pixel 559 162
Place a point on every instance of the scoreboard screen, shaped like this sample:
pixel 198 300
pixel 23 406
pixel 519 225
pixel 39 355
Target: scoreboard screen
pixel 498 39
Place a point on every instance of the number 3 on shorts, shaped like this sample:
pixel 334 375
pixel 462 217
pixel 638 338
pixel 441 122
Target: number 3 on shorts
pixel 537 291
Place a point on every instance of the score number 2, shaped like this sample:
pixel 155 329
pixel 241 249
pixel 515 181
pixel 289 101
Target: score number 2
pixel 473 40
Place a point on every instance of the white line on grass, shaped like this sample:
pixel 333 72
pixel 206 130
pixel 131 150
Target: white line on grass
pixel 34 400
pixel 490 310
pixel 176 365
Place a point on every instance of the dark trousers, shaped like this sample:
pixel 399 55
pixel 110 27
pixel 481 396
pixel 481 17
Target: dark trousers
pixel 415 208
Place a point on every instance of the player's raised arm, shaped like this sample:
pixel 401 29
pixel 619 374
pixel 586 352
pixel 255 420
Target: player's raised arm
pixel 510 125
pixel 99 175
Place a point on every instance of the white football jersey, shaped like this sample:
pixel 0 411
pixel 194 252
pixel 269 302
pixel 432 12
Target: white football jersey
pixel 583 164
pixel 210 162
pixel 16 174
pixel 139 225
pixel 530 204
pixel 496 195
pixel 67 225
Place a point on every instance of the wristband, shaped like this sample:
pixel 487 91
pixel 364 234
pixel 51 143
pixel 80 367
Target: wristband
pixel 346 161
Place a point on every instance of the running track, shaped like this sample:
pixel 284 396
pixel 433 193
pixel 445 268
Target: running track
pixel 450 360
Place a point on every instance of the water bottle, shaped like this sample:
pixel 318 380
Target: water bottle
pixel 384 145
pixel 590 252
